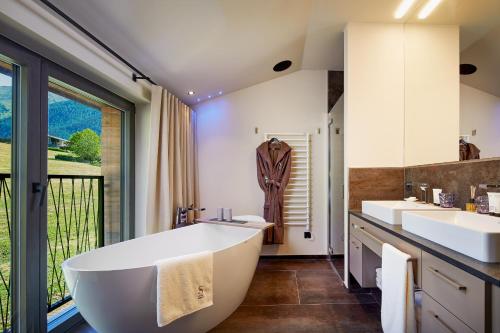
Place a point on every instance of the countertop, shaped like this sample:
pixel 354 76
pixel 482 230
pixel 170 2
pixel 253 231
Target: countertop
pixel 489 272
pixel 252 225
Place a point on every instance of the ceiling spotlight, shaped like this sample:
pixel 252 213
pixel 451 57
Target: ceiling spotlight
pixel 220 92
pixel 282 65
pixel 190 92
pixel 403 8
pixel 428 8
pixel 209 96
pixel 198 99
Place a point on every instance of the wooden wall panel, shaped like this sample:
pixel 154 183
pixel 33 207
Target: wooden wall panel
pixel 111 170
pixel 375 184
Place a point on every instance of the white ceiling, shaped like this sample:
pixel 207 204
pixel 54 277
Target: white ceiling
pixel 226 45
pixel 485 55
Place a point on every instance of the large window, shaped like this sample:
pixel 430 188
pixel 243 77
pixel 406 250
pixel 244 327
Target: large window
pixel 66 182
pixel 6 106
pixel 84 181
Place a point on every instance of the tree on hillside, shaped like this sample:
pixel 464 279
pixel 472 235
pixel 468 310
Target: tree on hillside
pixel 86 145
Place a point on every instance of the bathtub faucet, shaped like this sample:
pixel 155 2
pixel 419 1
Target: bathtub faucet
pixel 182 214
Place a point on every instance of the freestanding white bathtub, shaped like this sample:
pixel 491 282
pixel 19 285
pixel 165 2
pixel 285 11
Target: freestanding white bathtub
pixel 114 287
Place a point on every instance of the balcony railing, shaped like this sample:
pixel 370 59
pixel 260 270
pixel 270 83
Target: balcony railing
pixel 75 224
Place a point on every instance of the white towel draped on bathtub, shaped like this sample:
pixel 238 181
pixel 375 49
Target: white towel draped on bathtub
pixel 184 285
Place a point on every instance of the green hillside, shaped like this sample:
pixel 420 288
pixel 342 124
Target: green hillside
pixel 65 116
pixel 56 167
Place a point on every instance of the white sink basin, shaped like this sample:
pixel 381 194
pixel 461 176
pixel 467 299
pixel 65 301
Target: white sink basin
pixel 475 235
pixel 390 211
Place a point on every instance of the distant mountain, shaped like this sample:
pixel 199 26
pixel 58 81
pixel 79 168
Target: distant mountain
pixel 66 116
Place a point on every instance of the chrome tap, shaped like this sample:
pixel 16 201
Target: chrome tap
pixel 182 214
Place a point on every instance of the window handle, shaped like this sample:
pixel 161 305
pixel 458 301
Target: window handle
pixel 41 190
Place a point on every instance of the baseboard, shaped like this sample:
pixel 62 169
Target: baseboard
pixel 336 256
pixel 295 256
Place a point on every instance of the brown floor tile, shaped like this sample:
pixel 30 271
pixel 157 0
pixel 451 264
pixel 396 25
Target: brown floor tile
pixel 318 287
pixel 273 287
pixel 323 318
pixel 338 262
pixel 293 264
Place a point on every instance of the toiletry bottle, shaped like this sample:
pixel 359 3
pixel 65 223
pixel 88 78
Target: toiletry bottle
pixel 471 205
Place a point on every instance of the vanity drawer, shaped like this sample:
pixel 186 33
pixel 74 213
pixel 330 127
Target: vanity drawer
pixel 458 291
pixel 356 259
pixel 362 263
pixel 373 237
pixel 436 319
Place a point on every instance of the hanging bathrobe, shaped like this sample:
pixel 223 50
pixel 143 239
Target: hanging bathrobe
pixel 274 162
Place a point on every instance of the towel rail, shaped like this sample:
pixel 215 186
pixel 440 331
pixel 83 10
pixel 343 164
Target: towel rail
pixel 298 194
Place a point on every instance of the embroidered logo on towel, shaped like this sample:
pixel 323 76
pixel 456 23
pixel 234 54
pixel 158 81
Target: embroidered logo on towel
pixel 200 293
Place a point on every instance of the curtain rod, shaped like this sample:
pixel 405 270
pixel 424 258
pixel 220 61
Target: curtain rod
pixel 135 77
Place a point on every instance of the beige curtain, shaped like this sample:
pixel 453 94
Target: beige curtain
pixel 173 172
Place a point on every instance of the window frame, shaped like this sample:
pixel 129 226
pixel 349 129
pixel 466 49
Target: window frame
pixel 127 223
pixel 29 165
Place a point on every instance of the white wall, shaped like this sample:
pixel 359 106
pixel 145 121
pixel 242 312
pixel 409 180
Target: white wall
pixel 402 94
pixel 480 111
pixel 374 95
pixel 374 102
pixel 227 142
pixel 432 94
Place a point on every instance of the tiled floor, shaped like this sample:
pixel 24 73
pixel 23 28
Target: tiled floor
pixel 302 296
pixel 291 296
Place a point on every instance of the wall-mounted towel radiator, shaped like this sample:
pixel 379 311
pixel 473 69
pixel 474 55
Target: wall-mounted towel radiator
pixel 297 201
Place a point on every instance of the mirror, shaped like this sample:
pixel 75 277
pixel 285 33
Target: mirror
pixel 452 88
pixel 480 96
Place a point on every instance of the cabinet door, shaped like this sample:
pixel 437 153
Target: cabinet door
pixel 458 291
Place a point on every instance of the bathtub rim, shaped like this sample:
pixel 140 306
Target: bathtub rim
pixel 66 263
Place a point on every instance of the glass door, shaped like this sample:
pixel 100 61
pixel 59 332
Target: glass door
pixel 66 183
pixel 21 189
pixel 84 182
pixel 88 162
pixel 6 112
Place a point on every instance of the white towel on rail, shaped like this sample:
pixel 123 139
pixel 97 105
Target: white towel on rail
pixel 184 285
pixel 398 307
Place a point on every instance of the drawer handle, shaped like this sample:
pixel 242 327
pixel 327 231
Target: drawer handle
pixel 441 322
pixel 446 279
pixel 366 233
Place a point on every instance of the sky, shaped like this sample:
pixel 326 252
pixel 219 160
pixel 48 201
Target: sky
pixel 5 80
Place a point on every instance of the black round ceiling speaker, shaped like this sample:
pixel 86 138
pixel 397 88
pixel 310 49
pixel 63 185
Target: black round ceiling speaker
pixel 467 69
pixel 282 65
